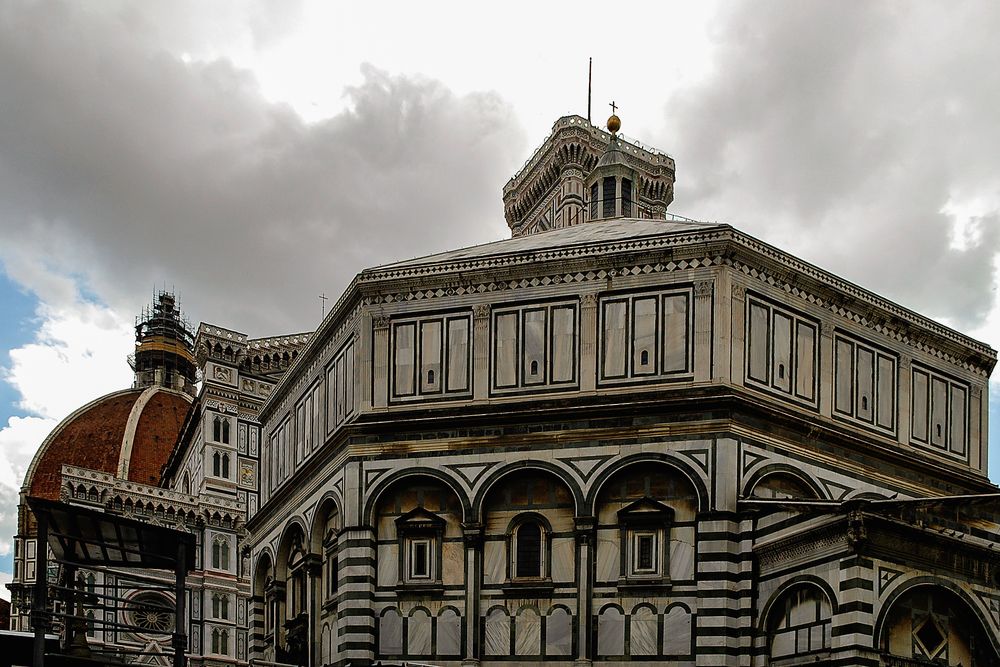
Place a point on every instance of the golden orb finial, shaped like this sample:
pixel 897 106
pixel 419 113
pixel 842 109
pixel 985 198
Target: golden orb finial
pixel 614 123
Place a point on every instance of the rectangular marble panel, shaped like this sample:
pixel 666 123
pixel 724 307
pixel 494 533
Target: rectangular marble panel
pixel 430 356
pixel 643 633
pixel 505 350
pixel 497 634
pixel 449 634
pixel 349 380
pixel 681 560
pixel 865 409
pixel 558 633
pixel 676 333
pixel 644 336
pixel 494 562
pixel 611 633
pixel 404 359
pixel 886 392
pixel 388 565
pixel 843 395
pixel 805 360
pixel 527 633
pixel 959 418
pixel 418 634
pixel 563 558
pixel 458 355
pixel 781 363
pixel 919 395
pixel 608 556
pixel 453 563
pixel 677 632
pixel 939 412
pixel 563 344
pixel 758 343
pixel 390 634
pixel 615 320
pixel 534 364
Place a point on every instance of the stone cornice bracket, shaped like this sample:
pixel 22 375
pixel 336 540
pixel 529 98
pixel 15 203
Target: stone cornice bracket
pixel 585 529
pixel 481 311
pixel 380 322
pixel 704 288
pixel 857 534
pixel 472 534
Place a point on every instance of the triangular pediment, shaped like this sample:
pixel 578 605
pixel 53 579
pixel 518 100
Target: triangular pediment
pixel 419 519
pixel 646 510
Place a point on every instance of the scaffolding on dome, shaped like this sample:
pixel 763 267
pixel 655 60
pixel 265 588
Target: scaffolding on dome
pixel 164 353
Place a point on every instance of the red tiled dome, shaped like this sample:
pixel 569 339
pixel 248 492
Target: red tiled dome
pixel 127 433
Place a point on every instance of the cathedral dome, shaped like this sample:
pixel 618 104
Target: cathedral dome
pixel 128 433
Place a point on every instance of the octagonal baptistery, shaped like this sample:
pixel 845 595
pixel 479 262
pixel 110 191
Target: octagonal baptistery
pixel 664 442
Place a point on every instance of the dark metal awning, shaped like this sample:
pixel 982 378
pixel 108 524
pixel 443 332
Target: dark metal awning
pixel 86 537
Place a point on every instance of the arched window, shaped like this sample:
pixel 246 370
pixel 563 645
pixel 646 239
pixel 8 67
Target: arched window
pixel 220 553
pixel 225 466
pixel 217 464
pixel 528 550
pixel 90 623
pixel 217 429
pixel 225 431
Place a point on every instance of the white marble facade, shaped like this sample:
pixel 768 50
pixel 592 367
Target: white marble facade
pixel 626 440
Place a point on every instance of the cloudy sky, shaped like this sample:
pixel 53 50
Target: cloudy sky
pixel 255 155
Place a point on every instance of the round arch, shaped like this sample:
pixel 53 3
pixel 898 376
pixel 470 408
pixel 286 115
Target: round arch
pixel 317 533
pixel 783 469
pixel 285 543
pixel 264 563
pixel 802 580
pixel 371 502
pixel 701 491
pixel 494 478
pixel 926 581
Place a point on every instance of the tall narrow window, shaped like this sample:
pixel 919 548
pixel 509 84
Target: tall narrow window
pixel 220 553
pixel 610 195
pixel 217 429
pixel 217 464
pixel 225 431
pixel 225 466
pixel 626 198
pixel 528 550
pixel 594 196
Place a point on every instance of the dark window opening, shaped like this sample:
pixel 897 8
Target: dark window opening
pixel 420 560
pixel 594 194
pixel 430 377
pixel 626 198
pixel 610 194
pixel 645 560
pixel 534 367
pixel 781 371
pixel 529 550
pixel 644 358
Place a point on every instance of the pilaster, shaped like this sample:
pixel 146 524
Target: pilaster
pixel 380 354
pixel 472 534
pixel 585 530
pixel 481 352
pixel 737 341
pixel 703 292
pixel 588 342
pixel 824 370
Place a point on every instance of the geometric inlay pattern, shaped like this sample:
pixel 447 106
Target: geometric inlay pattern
pixel 834 490
pixel 586 465
pixel 699 456
pixel 470 472
pixel 886 575
pixel 750 459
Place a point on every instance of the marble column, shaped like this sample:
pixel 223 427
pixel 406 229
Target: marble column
pixel 481 352
pixel 472 534
pixel 380 368
pixel 314 598
pixel 586 533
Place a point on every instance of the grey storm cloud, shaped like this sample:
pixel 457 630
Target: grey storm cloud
pixel 841 130
pixel 127 167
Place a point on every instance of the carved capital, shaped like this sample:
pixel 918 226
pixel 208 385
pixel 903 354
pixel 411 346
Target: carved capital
pixel 481 311
pixel 739 292
pixel 826 329
pixel 585 529
pixel 589 301
pixel 472 535
pixel 380 322
pixel 905 363
pixel 977 391
pixel 704 288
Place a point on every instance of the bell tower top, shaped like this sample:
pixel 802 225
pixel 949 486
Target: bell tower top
pixel 554 189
